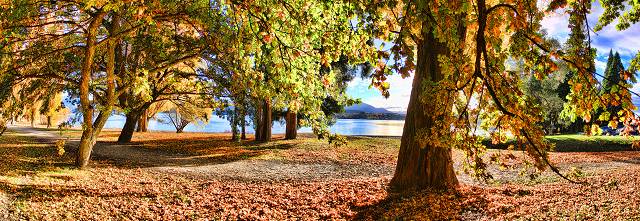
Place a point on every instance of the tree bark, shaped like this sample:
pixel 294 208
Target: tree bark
pixel 265 129
pixel 32 117
pixel 235 134
pixel 259 122
pixel 48 121
pixel 291 126
pixel 243 136
pixel 129 127
pixel 424 166
pixel 91 129
pixel 143 122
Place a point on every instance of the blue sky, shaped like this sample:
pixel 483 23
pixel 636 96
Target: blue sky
pixel 626 42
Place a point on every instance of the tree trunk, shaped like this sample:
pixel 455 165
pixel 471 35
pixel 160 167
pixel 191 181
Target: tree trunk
pixel 32 117
pixel 424 166
pixel 243 136
pixel 265 127
pixel 259 122
pixel 292 126
pixel 180 130
pixel 126 134
pixel 87 141
pixel 91 129
pixel 48 121
pixel 235 135
pixel 143 122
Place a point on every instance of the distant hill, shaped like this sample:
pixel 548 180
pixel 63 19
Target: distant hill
pixel 366 108
pixel 366 111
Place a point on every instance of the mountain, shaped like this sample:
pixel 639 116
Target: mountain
pixel 366 111
pixel 366 108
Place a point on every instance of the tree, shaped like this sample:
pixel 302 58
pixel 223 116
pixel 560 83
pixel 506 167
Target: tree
pixel 278 48
pixel 611 74
pixel 544 93
pixel 163 59
pixel 458 51
pixel 79 40
pixel 613 82
pixel 53 108
pixel 149 114
pixel 183 114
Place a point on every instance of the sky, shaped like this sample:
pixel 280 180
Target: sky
pixel 626 42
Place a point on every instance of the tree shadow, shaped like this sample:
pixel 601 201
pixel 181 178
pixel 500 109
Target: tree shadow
pixel 175 152
pixel 21 155
pixel 468 204
pixel 627 157
pixel 45 193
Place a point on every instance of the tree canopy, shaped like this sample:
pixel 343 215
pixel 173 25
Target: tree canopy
pixel 265 56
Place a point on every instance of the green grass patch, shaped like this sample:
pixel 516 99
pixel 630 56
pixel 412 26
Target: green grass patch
pixel 580 143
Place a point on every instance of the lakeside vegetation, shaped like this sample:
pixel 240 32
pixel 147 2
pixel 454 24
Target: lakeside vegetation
pixel 580 143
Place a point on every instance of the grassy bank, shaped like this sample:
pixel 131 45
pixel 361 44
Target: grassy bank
pixel 580 143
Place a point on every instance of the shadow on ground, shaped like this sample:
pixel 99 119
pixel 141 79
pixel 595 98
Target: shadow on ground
pixel 467 204
pixel 195 152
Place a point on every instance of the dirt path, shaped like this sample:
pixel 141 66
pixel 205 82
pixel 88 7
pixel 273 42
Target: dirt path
pixel 244 169
pixel 209 166
pixel 35 133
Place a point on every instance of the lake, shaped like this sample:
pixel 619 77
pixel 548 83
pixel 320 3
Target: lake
pixel 342 126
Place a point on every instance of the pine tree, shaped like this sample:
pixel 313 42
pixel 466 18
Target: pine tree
pixel 612 83
pixel 608 74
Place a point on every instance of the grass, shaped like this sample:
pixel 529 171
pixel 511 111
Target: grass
pixel 577 143
pixel 580 143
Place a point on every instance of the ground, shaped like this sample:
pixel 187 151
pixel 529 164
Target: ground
pixel 195 176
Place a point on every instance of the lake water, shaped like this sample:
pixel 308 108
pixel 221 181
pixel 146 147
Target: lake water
pixel 342 126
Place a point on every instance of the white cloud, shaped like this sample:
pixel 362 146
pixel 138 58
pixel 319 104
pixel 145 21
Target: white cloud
pixel 400 91
pixel 600 65
pixel 556 25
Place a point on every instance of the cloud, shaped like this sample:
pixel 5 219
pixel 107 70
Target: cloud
pixel 556 25
pixel 600 65
pixel 400 91
pixel 626 42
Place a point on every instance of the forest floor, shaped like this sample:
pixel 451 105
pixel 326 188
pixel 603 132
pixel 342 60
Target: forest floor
pixel 196 176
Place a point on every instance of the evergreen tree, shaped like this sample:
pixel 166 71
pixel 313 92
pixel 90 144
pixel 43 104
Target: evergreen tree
pixel 612 83
pixel 608 74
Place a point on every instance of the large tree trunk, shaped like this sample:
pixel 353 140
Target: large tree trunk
pixel 259 122
pixel 291 126
pixel 424 166
pixel 143 122
pixel 91 129
pixel 129 127
pixel 265 129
